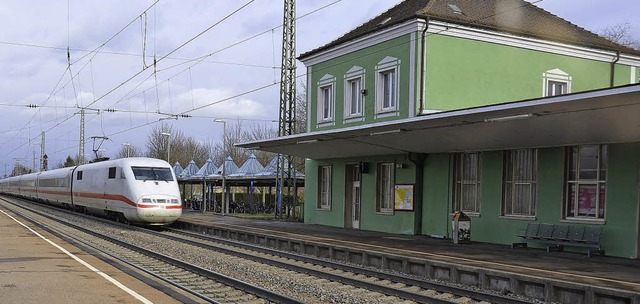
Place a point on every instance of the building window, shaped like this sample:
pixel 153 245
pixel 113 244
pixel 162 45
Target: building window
pixel 324 187
pixel 387 86
pixel 385 187
pixel 555 82
pixel 520 179
pixel 466 175
pixel 354 94
pixel 326 99
pixel 586 182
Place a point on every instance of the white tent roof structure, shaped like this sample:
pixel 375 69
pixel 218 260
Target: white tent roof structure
pixel 209 168
pixel 177 169
pixel 250 168
pixel 190 170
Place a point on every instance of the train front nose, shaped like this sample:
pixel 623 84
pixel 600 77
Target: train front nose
pixel 159 210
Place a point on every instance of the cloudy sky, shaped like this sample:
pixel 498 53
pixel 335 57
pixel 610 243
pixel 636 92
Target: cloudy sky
pixel 224 72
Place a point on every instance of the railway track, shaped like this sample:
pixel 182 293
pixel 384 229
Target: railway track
pixel 402 286
pixel 210 286
pixel 379 286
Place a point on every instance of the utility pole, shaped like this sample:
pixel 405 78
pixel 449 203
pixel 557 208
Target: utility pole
pixel 286 121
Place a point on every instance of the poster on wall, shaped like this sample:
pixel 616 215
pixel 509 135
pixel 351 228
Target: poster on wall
pixel 404 197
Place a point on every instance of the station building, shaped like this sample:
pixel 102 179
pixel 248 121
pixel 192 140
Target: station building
pixel 496 108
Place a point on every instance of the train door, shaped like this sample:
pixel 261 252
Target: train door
pixel 110 188
pixel 352 196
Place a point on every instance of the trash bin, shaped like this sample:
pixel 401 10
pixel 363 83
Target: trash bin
pixel 461 228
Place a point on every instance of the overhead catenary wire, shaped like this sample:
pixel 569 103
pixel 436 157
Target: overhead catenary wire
pixel 235 96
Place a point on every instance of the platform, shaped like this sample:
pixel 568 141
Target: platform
pixel 532 271
pixel 37 267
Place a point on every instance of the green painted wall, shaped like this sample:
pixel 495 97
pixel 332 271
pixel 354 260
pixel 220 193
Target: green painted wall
pixel 401 222
pixel 622 200
pixel 367 58
pixel 463 73
pixel 619 238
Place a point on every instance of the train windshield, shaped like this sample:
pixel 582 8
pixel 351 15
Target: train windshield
pixel 152 173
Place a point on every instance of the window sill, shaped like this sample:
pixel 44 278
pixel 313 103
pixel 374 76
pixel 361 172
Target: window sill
pixel 384 213
pixel 355 118
pixel 576 220
pixel 469 214
pixel 518 217
pixel 387 113
pixel 323 209
pixel 326 123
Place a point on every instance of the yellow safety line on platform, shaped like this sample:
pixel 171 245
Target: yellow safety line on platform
pixel 443 256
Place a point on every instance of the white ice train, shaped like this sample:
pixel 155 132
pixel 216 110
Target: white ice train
pixel 137 190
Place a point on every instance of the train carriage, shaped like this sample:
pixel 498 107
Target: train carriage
pixel 138 190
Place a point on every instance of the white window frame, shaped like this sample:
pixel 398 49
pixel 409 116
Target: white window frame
pixel 520 174
pixel 327 82
pixel 356 73
pixel 467 174
pixel 552 77
pixel 384 67
pixel 324 187
pixel 575 180
pixel 385 187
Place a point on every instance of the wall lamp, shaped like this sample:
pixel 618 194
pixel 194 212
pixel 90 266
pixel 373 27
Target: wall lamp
pixel 509 118
pixel 396 131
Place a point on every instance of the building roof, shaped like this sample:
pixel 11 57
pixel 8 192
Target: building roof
pixel 516 17
pixel 593 117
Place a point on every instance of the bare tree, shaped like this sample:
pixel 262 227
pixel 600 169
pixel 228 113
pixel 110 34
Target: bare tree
pixel 222 148
pixel 301 109
pixel 129 151
pixel 158 143
pixel 258 132
pixel 622 34
pixel 165 139
pixel 20 169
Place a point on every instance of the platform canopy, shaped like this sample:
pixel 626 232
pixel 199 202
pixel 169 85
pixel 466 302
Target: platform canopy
pixel 190 170
pixel 177 169
pixel 209 168
pixel 600 116
pixel 250 167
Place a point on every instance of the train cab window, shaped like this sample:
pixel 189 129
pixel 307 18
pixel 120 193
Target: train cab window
pixel 79 175
pixel 112 172
pixel 152 173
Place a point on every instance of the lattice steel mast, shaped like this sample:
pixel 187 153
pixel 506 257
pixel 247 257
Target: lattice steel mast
pixel 81 149
pixel 287 119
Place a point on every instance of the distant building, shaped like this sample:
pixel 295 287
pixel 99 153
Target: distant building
pixel 496 108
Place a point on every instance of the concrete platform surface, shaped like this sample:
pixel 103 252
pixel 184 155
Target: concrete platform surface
pixel 37 267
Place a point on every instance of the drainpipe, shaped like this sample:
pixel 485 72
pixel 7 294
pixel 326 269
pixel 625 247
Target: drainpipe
pixel 613 69
pixel 418 191
pixel 423 64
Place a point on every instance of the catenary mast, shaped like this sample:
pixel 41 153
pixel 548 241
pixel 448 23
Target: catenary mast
pixel 286 122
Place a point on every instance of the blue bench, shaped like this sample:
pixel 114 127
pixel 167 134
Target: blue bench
pixel 556 236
